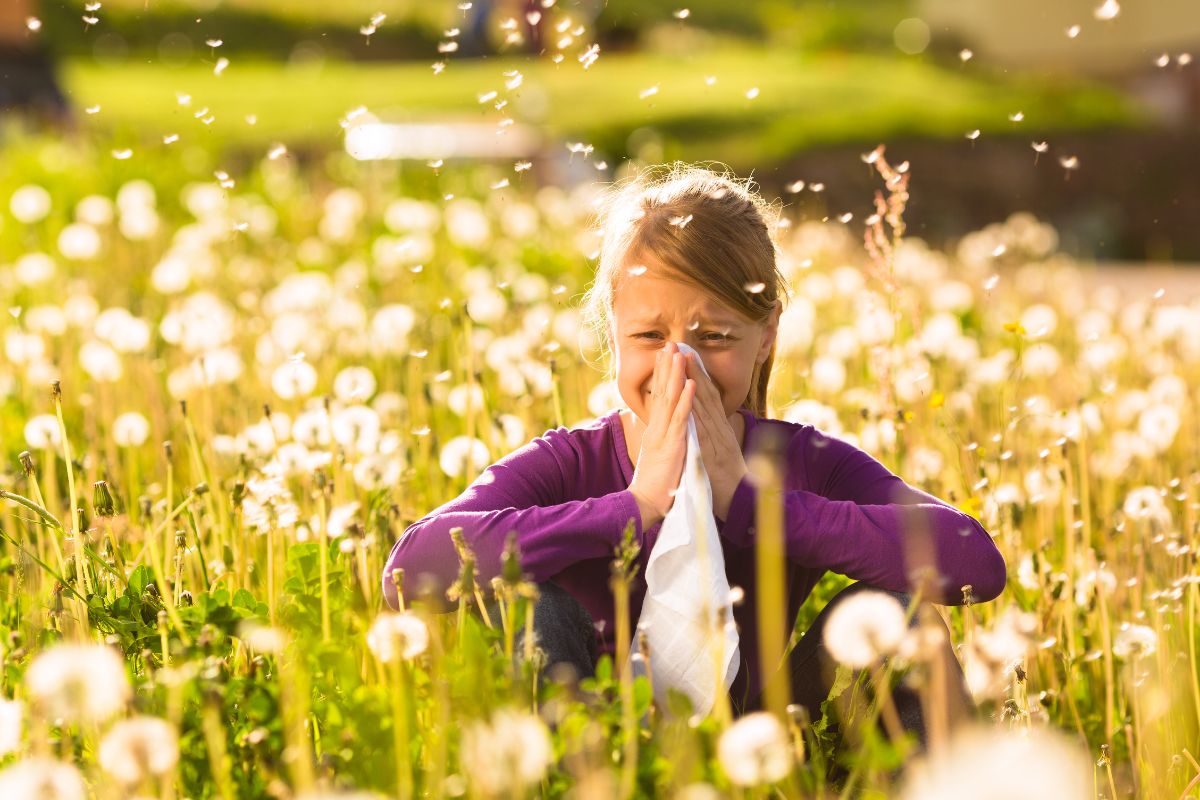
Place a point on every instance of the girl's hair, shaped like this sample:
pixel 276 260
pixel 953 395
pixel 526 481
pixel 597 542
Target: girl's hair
pixel 709 230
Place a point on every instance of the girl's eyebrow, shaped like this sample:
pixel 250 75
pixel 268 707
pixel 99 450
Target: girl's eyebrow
pixel 713 320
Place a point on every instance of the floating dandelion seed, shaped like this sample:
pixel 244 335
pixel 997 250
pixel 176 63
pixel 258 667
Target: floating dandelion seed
pixel 649 92
pixel 1016 117
pixel 1184 59
pixel 1108 10
pixel 1069 162
pixel 681 221
pixel 990 283
pixel 580 147
pixel 816 187
pixel 122 155
pixel 1163 60
pixel 752 93
pixel 640 269
pixel 795 187
pixel 436 163
pixel 711 80
pixel 965 55
pixel 533 18
pixel 90 21
pixel 438 67
pixel 844 218
pixel 450 33
pixel 92 109
pixel 222 63
pixel 33 23
pixel 447 47
pixel 557 58
pixel 251 119
pixel 183 99
pixel 514 79
pixel 500 184
pixel 682 13
pixel 973 135
pixel 590 55
pixel 90 7
pixel 171 138
pixel 488 97
pixel 999 250
pixel 277 151
pixel 214 43
pixel 464 6
pixel 521 166
pixel 754 288
pixel 1073 31
pixel 201 112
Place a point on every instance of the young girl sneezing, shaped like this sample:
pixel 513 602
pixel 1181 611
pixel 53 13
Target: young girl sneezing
pixel 687 257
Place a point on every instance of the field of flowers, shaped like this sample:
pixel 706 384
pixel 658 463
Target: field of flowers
pixel 224 394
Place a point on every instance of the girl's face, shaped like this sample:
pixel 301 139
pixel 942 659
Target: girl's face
pixel 649 310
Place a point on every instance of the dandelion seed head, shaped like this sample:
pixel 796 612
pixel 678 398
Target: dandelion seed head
pixel 137 748
pixel 78 682
pixel 755 750
pixel 864 627
pixel 42 778
pixel 507 753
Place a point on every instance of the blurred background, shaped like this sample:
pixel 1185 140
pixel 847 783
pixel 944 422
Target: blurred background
pixel 1083 112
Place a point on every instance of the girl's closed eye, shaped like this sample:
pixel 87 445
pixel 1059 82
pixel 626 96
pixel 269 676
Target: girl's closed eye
pixel 720 337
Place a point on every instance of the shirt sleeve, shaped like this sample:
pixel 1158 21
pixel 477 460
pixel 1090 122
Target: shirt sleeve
pixel 862 521
pixel 525 491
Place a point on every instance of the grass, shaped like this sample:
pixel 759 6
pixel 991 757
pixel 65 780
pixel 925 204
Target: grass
pixel 246 613
pixel 804 100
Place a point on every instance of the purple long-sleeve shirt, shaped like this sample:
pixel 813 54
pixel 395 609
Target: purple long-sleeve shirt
pixel 566 494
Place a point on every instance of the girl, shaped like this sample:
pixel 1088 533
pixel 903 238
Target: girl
pixel 687 256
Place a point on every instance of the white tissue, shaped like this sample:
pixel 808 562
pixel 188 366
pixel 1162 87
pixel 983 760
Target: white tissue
pixel 685 575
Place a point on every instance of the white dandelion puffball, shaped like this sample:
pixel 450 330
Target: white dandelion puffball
pixel 354 385
pixel 79 242
pixel 508 753
pixel 263 638
pixel 12 715
pixel 100 362
pixel 864 627
pixel 1157 425
pixel 43 779
pixel 139 747
pixel 294 379
pixel 377 471
pixel 755 750
pixel 85 682
pixel 32 269
pixel 400 635
pixel 30 203
pixel 994 764
pixel 1134 641
pixel 42 432
pixel 460 452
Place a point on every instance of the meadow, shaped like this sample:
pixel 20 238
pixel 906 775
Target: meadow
pixel 225 394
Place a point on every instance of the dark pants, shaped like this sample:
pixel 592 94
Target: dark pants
pixel 563 629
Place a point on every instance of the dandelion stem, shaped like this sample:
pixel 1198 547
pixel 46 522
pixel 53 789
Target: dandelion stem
pixel 323 542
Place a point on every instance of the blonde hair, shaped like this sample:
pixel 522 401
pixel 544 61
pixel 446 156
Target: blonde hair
pixel 709 229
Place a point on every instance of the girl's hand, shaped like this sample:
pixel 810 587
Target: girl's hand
pixel 719 447
pixel 664 442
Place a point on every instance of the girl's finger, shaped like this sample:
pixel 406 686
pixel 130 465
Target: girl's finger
pixel 684 407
